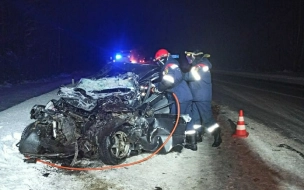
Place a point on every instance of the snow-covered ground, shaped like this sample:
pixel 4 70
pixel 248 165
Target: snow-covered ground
pixel 264 160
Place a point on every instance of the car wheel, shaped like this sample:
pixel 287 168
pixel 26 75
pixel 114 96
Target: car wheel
pixel 114 147
pixel 27 130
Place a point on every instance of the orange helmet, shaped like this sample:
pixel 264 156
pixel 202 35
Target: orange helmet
pixel 161 53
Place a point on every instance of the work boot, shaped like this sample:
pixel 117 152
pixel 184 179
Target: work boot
pixel 217 138
pixel 191 147
pixel 191 142
pixel 199 137
pixel 177 148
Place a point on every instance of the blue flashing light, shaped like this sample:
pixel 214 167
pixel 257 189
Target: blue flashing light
pixel 118 56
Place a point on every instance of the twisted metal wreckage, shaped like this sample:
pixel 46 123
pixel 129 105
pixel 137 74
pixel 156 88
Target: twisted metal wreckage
pixel 110 118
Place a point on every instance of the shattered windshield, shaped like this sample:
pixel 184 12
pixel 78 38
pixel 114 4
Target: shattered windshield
pixel 107 84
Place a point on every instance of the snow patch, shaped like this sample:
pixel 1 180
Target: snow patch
pixel 7 138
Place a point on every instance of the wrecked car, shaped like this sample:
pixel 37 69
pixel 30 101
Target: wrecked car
pixel 110 118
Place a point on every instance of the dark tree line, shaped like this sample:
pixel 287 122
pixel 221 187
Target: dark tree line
pixel 299 55
pixel 33 45
pixel 279 37
pixel 40 37
pixel 261 36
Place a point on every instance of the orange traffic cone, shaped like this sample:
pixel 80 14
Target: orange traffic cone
pixel 240 128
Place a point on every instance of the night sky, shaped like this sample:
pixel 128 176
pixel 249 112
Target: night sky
pixel 251 35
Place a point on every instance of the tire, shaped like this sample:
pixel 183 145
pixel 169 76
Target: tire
pixel 113 146
pixel 30 140
pixel 27 130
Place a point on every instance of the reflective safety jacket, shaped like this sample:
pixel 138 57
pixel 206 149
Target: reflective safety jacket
pixel 172 81
pixel 199 80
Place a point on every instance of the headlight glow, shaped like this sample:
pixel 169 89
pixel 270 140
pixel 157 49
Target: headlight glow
pixel 118 56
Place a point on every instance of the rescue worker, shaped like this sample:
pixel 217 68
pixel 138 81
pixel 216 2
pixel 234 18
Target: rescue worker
pixel 172 81
pixel 199 81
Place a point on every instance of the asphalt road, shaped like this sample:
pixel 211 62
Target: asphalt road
pixel 278 105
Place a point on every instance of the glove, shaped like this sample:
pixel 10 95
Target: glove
pixel 155 90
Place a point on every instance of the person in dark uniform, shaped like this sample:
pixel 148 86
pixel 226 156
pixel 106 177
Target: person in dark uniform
pixel 172 81
pixel 199 81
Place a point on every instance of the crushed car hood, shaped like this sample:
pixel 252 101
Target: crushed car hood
pixel 86 93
